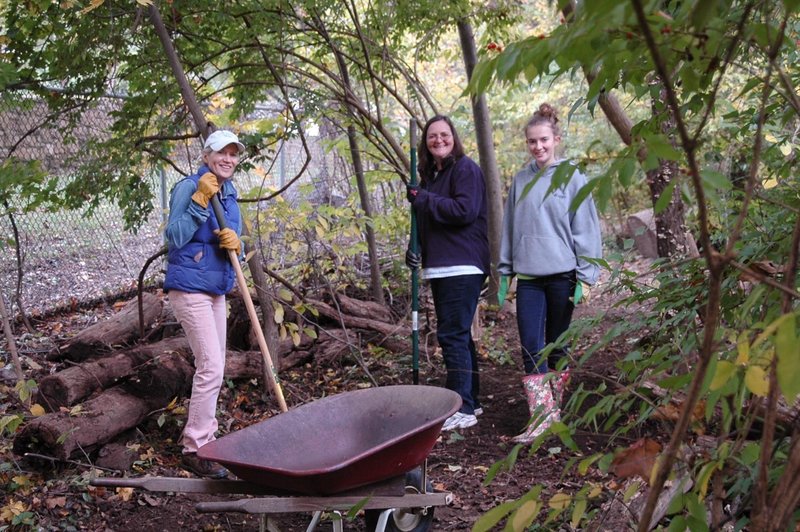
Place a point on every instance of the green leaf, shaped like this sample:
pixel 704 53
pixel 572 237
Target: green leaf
pixel 678 524
pixel 285 294
pixel 771 328
pixel 626 171
pixel 750 453
pixel 675 382
pixel 578 512
pixel 666 197
pixel 508 64
pixel 488 520
pixel 583 193
pixel 791 5
pixel 352 512
pixel 787 349
pixel 279 313
pixel 755 378
pixel 662 148
pixel 524 515
pixel 482 76
pixel 697 512
pixel 725 369
pixel 10 423
pixel 631 491
pixel 715 180
pixel 702 13
pixel 705 476
pixel 583 466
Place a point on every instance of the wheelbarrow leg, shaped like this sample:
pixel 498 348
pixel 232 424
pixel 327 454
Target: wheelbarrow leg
pixel 265 524
pixel 317 517
pixel 383 518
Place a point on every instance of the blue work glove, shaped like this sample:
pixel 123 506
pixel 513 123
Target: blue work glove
pixel 413 260
pixel 502 290
pixel 581 294
pixel 411 193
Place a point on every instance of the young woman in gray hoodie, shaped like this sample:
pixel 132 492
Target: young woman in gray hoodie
pixel 545 243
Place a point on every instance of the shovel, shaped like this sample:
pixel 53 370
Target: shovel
pixel 274 384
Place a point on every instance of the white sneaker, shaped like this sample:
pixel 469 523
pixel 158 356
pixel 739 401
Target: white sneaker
pixel 459 421
pixel 479 411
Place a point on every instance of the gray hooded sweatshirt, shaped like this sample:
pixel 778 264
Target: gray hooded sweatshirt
pixel 541 235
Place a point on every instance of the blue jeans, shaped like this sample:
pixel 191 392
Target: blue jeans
pixel 455 300
pixel 544 312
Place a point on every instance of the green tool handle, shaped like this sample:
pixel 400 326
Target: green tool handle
pixel 414 247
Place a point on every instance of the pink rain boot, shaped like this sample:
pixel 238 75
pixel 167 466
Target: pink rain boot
pixel 560 380
pixel 542 406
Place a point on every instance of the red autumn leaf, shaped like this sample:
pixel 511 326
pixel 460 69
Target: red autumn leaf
pixel 638 459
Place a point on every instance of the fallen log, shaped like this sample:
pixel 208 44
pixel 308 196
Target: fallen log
pixel 248 364
pixel 356 322
pixel 121 328
pixel 62 434
pixel 364 309
pixel 74 384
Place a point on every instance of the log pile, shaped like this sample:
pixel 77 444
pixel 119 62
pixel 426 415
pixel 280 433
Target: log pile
pixel 109 385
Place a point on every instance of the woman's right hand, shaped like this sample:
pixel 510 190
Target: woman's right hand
pixel 207 186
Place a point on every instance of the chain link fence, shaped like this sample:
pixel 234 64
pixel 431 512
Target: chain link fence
pixel 71 258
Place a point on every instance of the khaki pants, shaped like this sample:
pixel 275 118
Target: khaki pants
pixel 203 318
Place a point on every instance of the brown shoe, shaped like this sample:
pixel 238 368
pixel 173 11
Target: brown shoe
pixel 202 468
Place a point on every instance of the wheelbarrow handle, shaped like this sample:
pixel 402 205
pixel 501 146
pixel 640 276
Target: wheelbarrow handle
pixel 251 311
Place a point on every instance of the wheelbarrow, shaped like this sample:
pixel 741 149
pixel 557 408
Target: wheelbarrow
pixel 361 448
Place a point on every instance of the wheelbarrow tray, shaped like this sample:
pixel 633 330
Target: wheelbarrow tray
pixel 339 442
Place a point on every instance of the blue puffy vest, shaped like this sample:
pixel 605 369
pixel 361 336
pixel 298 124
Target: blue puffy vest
pixel 201 265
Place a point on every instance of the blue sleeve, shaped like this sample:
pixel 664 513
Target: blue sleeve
pixel 185 216
pixel 467 195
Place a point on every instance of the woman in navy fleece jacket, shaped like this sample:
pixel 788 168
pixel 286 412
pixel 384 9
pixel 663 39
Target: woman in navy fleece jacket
pixel 450 205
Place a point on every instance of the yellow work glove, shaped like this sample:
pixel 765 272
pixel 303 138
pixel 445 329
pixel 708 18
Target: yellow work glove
pixel 228 239
pixel 207 186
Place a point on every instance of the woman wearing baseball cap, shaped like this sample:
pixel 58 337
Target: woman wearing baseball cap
pixel 199 274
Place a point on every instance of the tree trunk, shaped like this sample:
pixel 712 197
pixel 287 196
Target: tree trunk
pixel 72 385
pixel 488 162
pixel 671 238
pixel 12 345
pixel 264 299
pixel 363 194
pixel 121 328
pixel 62 434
